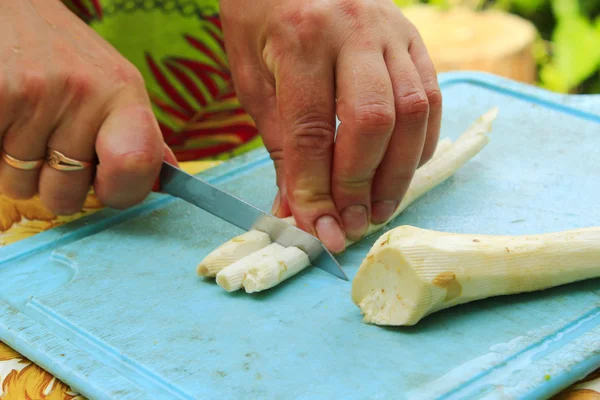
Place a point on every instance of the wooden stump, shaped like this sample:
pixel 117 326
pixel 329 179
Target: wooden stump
pixel 489 41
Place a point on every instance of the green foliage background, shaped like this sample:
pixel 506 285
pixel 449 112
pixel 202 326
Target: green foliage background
pixel 568 48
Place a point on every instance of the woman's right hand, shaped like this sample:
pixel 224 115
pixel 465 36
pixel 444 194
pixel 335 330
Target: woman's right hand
pixel 63 88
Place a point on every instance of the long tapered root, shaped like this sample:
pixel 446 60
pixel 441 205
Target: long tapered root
pixel 410 272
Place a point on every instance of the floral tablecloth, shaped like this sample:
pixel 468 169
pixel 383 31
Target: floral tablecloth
pixel 178 47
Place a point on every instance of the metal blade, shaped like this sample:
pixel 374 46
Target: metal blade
pixel 245 216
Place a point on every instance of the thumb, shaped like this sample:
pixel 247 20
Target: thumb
pixel 130 151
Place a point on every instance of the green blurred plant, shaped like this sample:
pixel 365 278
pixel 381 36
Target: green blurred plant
pixel 568 49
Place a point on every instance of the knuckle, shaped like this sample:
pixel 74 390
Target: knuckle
pixel 125 74
pixel 375 118
pixel 304 197
pixel 434 96
pixel 413 106
pixel 276 156
pixel 312 139
pixel 32 87
pixel 307 22
pixel 79 84
pixel 399 179
pixel 354 183
pixel 244 81
pixel 352 8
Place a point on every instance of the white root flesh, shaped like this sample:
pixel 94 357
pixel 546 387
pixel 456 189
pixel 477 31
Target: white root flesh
pixel 442 146
pixel 232 251
pixel 288 263
pixel 231 277
pixel 410 273
pixel 447 159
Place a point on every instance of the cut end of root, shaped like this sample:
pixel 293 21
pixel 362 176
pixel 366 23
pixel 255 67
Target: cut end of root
pixel 202 270
pixel 225 282
pixel 388 291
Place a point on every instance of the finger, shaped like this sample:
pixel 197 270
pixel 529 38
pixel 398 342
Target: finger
pixel 426 70
pixel 64 192
pixel 404 150
pixel 365 108
pixel 130 150
pixel 306 105
pixel 25 138
pixel 259 100
pixel 269 127
pixel 267 123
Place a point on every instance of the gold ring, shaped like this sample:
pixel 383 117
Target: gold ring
pixel 20 164
pixel 60 162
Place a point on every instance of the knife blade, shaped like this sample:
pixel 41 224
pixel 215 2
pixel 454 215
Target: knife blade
pixel 221 204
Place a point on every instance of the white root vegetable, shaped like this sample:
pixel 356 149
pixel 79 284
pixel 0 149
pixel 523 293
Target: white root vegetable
pixel 410 273
pixel 232 251
pixel 442 146
pixel 231 277
pixel 447 159
pixel 288 263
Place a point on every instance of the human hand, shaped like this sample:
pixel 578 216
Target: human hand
pixel 62 87
pixel 298 63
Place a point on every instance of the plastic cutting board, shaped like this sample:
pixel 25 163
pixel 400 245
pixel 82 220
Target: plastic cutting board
pixel 112 306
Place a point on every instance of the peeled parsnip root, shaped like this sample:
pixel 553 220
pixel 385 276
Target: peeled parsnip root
pixel 441 147
pixel 410 272
pixel 288 263
pixel 231 277
pixel 232 251
pixel 447 159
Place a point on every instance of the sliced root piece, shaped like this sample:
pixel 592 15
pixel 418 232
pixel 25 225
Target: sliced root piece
pixel 410 272
pixel 232 251
pixel 231 277
pixel 285 265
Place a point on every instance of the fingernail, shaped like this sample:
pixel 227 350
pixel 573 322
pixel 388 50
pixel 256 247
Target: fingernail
pixel 276 203
pixel 382 210
pixel 355 221
pixel 331 234
pixel 170 156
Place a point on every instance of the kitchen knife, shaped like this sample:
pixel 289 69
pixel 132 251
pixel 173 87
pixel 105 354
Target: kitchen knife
pixel 180 184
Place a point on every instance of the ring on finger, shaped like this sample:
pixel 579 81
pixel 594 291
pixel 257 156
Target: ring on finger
pixel 20 164
pixel 60 162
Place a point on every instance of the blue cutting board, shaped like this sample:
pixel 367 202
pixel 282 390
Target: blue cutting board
pixel 111 304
